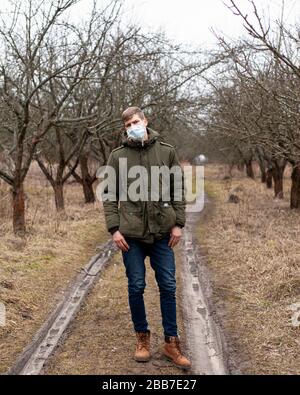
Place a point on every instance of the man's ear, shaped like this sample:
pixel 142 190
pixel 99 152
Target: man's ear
pixel 146 121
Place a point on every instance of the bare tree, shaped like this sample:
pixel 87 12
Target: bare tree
pixel 39 50
pixel 283 44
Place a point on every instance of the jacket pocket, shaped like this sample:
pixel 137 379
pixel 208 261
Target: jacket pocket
pixel 131 220
pixel 166 216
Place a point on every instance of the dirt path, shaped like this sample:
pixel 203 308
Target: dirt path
pixel 205 342
pixel 33 358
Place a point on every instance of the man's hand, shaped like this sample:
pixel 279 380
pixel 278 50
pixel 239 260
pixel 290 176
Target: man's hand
pixel 119 239
pixel 176 234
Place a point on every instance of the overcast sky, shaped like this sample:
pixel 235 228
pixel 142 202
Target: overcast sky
pixel 190 20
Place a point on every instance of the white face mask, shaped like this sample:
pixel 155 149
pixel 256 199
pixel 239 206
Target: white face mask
pixel 136 132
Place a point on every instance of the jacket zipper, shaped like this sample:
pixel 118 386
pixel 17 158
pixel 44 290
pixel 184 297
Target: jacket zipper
pixel 144 203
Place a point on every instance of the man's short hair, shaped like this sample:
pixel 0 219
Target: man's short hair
pixel 130 112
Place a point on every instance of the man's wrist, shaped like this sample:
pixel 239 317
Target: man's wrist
pixel 113 230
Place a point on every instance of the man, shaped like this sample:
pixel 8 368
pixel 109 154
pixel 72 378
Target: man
pixel 149 227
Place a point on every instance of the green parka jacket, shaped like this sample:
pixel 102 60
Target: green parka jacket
pixel 146 220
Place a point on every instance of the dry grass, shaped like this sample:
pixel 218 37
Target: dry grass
pixel 253 253
pixel 102 341
pixel 34 270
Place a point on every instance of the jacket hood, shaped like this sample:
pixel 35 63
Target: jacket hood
pixel 152 137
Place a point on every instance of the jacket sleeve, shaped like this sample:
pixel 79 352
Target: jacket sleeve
pixel 110 206
pixel 177 185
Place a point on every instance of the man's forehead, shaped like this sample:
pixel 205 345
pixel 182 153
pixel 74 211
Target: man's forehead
pixel 135 117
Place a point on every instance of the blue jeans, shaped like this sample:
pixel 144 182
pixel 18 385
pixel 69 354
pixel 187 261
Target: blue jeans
pixel 162 261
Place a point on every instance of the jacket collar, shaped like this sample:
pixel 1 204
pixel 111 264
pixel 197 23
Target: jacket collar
pixel 152 137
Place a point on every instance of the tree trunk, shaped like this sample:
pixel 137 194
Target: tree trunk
pixel 263 172
pixel 262 164
pixel 249 169
pixel 269 178
pixel 18 210
pixel 87 180
pixel 59 197
pixel 278 171
pixel 241 167
pixel 89 195
pixel 278 184
pixel 295 190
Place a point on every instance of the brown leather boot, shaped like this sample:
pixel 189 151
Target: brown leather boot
pixel 142 352
pixel 172 351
